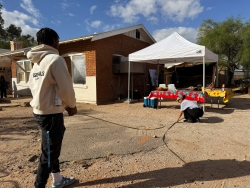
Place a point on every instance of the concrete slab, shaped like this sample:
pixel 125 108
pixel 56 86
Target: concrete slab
pixel 4 105
pixel 10 101
pixel 88 138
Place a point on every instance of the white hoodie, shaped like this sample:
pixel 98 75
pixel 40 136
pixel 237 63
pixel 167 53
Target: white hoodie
pixel 49 77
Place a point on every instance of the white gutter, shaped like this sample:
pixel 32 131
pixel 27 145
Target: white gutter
pixel 75 40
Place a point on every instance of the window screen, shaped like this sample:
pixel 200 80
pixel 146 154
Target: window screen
pixel 79 69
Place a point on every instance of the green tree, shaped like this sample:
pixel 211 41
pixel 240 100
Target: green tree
pixel 245 50
pixel 2 31
pixel 27 40
pixel 13 33
pixel 226 39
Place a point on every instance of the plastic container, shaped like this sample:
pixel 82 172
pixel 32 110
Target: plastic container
pixel 153 102
pixel 223 87
pixel 171 87
pixel 145 102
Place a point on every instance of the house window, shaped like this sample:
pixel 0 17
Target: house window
pixel 78 68
pixel 137 35
pixel 23 71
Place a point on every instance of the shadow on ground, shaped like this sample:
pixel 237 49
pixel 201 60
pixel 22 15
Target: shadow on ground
pixel 238 103
pixel 212 119
pixel 198 171
pixel 8 183
pixel 220 110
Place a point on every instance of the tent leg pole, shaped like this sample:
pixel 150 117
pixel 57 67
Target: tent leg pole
pixel 128 81
pixel 204 83
pixel 217 73
pixel 157 82
pixel 132 86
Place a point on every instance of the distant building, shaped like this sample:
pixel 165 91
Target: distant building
pixel 97 64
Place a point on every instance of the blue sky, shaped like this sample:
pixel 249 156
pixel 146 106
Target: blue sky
pixel 75 18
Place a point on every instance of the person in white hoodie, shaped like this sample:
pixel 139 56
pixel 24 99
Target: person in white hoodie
pixel 52 90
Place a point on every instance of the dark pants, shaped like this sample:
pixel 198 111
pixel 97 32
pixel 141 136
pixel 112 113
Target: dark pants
pixel 3 92
pixel 193 114
pixel 53 123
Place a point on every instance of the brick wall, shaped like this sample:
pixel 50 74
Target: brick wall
pixel 85 46
pixel 99 63
pixel 13 69
pixel 15 45
pixel 108 83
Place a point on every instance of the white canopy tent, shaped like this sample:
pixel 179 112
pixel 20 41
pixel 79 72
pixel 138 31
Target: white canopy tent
pixel 171 50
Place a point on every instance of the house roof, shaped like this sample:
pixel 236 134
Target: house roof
pixel 16 54
pixel 4 50
pixel 4 61
pixel 102 35
pixel 21 53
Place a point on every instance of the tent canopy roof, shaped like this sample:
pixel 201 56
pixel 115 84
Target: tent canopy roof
pixel 173 49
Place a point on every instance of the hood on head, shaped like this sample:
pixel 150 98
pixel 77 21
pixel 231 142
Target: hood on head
pixel 36 54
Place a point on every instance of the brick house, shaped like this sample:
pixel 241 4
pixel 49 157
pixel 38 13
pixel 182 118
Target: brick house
pixel 97 64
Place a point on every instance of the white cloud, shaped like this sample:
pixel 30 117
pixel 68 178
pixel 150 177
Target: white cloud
pixel 180 9
pixel 20 20
pixel 29 7
pixel 176 10
pixel 111 27
pixel 153 19
pixel 95 24
pixel 131 11
pixel 189 33
pixel 64 5
pixel 57 22
pixel 87 25
pixel 92 9
pixel 70 14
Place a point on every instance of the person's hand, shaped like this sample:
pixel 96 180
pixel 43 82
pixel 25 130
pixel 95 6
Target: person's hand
pixel 71 111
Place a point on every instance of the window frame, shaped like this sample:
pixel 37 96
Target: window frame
pixel 72 70
pixel 23 70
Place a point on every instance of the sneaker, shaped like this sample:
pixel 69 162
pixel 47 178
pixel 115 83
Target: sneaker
pixel 190 120
pixel 64 182
pixel 193 121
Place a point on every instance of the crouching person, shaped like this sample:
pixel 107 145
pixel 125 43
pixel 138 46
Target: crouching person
pixel 191 110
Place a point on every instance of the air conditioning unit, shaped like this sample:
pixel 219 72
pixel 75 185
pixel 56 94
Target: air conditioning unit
pixel 120 65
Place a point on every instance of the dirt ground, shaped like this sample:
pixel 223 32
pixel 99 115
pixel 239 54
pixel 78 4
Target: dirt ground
pixel 212 153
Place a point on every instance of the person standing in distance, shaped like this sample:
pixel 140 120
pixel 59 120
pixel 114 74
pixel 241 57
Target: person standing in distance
pixel 52 90
pixel 3 87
